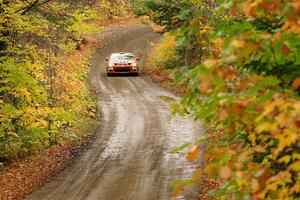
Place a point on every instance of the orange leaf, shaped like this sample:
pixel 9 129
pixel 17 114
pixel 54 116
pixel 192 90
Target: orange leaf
pixel 243 156
pixel 236 109
pixel 225 172
pixel 263 176
pixel 259 149
pixel 265 35
pixel 193 153
pixel 238 165
pixel 210 63
pixel 297 122
pixel 232 127
pixel 285 49
pixel 255 185
pixel 223 114
pixel 205 83
pixel 296 83
pixel 296 5
pixel 277 38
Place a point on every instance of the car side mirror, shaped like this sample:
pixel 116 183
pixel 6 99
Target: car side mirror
pixel 138 59
pixel 106 59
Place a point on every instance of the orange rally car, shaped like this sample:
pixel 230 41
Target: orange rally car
pixel 122 63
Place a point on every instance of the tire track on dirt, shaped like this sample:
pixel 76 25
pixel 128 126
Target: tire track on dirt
pixel 130 158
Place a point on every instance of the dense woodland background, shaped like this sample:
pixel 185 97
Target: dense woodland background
pixel 238 63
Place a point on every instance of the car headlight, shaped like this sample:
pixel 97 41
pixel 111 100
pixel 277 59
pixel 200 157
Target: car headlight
pixel 111 65
pixel 134 64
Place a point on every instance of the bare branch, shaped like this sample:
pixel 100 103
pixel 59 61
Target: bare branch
pixel 35 3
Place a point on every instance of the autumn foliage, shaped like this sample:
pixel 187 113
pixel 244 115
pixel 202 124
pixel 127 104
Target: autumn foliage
pixel 44 90
pixel 246 88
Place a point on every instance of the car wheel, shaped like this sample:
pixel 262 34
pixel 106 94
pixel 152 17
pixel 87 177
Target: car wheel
pixel 108 74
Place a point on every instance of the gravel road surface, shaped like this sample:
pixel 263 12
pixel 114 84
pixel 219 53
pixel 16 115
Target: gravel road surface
pixel 130 158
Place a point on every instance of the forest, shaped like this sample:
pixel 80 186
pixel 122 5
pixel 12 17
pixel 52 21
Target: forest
pixel 236 63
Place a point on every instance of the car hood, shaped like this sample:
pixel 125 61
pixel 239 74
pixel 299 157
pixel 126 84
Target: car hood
pixel 123 62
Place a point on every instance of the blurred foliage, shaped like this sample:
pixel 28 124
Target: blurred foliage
pixel 246 86
pixel 183 18
pixel 164 54
pixel 164 13
pixel 44 89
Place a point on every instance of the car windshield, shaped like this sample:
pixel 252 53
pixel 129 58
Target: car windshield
pixel 122 57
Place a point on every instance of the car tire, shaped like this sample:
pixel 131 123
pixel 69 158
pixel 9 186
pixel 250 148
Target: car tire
pixel 108 74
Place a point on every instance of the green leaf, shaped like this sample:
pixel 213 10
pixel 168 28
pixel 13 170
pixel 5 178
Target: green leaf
pixel 180 148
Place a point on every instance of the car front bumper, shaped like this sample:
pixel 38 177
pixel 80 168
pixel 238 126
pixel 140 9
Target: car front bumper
pixel 122 70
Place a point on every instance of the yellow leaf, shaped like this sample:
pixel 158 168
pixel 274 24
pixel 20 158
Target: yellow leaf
pixel 218 41
pixel 285 159
pixel 13 134
pixel 295 166
pixel 289 137
pixel 193 153
pixel 269 108
pixel 296 156
pixel 197 175
pixel 211 170
pixel 266 126
pixel 178 190
pixel 237 43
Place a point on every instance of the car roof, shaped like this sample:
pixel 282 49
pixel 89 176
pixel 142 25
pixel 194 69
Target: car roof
pixel 122 53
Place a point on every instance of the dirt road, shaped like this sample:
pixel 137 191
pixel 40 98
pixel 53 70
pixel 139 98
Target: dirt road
pixel 130 159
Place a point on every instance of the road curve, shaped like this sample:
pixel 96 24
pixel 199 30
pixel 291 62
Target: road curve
pixel 130 159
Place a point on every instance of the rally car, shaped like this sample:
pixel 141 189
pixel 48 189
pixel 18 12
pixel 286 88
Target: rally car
pixel 122 63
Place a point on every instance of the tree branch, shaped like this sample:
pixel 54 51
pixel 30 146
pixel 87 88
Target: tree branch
pixel 35 3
